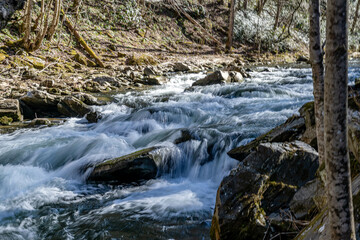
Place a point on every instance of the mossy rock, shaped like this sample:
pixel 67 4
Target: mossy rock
pixel 5 120
pixel 37 63
pixel 2 57
pixel 141 60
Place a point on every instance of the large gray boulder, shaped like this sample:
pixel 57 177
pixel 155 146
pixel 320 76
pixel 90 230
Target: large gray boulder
pixel 253 202
pixel 135 167
pixel 218 77
pixel 7 9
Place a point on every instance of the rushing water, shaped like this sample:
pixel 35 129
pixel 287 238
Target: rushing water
pixel 43 194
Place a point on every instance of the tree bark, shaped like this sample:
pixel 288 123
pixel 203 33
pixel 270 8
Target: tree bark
pixel 278 10
pixel 231 26
pixel 316 59
pixel 341 224
pixel 356 17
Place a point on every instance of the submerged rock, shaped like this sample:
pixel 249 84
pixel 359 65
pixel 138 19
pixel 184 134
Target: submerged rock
pixel 218 77
pixel 135 167
pixel 252 201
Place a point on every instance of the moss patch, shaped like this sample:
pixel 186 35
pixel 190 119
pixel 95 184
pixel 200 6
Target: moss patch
pixel 5 120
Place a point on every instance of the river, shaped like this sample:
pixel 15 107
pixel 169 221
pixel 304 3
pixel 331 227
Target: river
pixel 43 193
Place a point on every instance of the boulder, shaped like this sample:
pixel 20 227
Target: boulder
pixel 316 229
pixel 291 130
pixel 72 107
pixel 218 77
pixel 149 71
pixel 152 80
pixel 135 167
pixel 236 77
pixel 93 117
pixel 103 79
pixel 180 67
pixel 10 108
pixel 253 202
pixel 88 99
pixel 8 8
pixel 40 103
pixel 40 122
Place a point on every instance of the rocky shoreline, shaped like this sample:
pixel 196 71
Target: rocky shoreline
pixel 277 190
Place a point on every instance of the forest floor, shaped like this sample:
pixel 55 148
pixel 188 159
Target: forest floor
pixel 161 38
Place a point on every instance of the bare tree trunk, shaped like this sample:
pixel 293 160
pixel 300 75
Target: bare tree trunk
pixel 231 26
pixel 245 4
pixel 278 10
pixel 317 65
pixel 356 17
pixel 341 224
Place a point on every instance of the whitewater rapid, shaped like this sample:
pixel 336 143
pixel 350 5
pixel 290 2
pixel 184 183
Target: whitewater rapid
pixel 43 193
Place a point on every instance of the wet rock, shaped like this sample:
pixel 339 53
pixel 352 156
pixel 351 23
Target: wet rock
pixel 238 213
pixel 72 107
pixel 238 69
pixel 40 122
pixel 180 67
pixel 152 80
pixel 291 130
pixel 185 136
pixel 218 77
pixel 252 200
pixel 236 77
pixel 308 113
pixel 10 108
pixel 93 117
pixel 135 167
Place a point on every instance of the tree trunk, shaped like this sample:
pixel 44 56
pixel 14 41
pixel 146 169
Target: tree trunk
pixel 278 10
pixel 341 224
pixel 316 59
pixel 356 17
pixel 231 26
pixel 245 4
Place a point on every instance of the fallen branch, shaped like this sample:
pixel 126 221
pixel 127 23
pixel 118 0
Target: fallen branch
pixel 81 40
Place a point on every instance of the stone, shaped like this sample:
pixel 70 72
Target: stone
pixel 218 77
pixel 72 107
pixel 103 79
pixel 40 122
pixel 291 130
pixel 93 117
pixel 302 59
pixel 316 229
pixel 236 77
pixel 10 108
pixel 251 201
pixel 152 80
pixel 135 167
pixel 8 8
pixel 308 200
pixel 149 71
pixel 4 120
pixel 88 99
pixel 39 103
pixel 36 62
pixel 181 67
